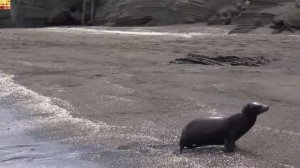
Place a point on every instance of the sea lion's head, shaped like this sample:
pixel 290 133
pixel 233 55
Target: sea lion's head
pixel 255 108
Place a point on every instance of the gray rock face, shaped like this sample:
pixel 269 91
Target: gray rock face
pixel 289 19
pixel 116 12
pixel 145 12
pixel 293 16
pixel 225 15
pixel 258 14
pixel 157 12
pixel 38 13
pixel 4 19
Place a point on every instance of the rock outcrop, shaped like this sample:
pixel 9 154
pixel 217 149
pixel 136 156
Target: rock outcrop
pixel 156 12
pixel 116 12
pixel 258 14
pixel 39 13
pixel 289 19
pixel 246 14
pixel 5 19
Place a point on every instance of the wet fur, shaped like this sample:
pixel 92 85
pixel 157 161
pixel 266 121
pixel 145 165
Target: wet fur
pixel 223 131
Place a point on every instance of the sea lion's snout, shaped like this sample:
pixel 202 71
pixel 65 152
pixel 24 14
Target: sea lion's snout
pixel 264 108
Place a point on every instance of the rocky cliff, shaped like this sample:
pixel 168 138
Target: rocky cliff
pixel 247 13
pixel 5 18
pixel 157 12
pixel 37 12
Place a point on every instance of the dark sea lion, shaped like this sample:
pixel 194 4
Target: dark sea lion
pixel 221 131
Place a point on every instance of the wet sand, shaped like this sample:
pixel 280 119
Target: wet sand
pixel 113 95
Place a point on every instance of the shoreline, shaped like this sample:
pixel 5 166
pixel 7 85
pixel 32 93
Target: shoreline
pixel 19 147
pixel 139 102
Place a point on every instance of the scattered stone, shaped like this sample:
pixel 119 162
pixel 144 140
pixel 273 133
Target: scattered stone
pixel 222 60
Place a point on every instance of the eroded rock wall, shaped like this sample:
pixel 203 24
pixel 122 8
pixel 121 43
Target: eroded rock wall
pixel 144 12
pixel 157 12
pixel 117 12
pixel 5 19
pixel 38 12
pixel 292 16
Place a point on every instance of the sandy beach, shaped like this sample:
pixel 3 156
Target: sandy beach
pixel 109 97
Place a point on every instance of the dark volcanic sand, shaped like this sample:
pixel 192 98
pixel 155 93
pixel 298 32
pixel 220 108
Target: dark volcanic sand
pixel 117 100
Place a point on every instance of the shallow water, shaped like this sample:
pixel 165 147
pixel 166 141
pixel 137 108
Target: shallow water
pixel 19 150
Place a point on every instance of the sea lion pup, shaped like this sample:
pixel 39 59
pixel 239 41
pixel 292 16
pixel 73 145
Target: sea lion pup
pixel 221 131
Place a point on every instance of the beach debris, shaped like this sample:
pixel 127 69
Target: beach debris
pixel 222 60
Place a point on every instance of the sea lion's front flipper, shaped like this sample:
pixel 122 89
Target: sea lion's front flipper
pixel 229 144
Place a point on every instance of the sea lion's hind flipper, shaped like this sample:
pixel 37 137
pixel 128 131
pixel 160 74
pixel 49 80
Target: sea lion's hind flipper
pixel 181 149
pixel 177 151
pixel 183 140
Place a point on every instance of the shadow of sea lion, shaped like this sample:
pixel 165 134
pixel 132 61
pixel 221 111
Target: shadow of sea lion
pixel 150 149
pixel 217 151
